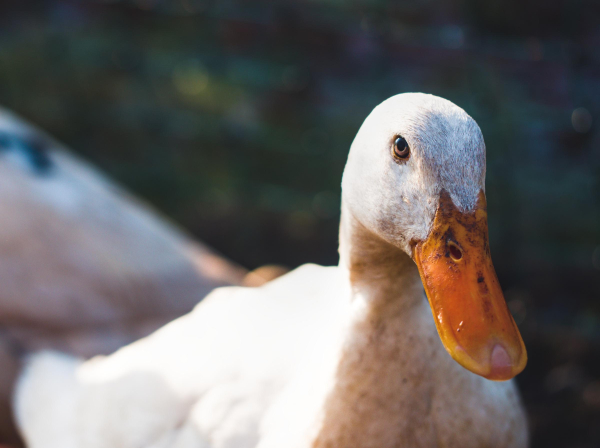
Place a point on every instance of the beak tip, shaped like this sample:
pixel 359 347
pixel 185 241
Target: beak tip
pixel 499 357
pixel 501 365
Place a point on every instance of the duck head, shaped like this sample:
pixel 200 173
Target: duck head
pixel 415 177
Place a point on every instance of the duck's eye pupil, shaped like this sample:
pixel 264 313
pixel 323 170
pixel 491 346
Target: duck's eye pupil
pixel 401 149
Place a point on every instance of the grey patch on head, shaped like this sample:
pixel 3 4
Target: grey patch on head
pixel 459 164
pixel 31 150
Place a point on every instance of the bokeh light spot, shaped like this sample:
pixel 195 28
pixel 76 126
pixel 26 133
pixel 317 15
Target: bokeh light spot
pixel 190 78
pixel 581 120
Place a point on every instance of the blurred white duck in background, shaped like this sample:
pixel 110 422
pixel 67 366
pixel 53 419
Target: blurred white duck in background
pixel 343 356
pixel 84 267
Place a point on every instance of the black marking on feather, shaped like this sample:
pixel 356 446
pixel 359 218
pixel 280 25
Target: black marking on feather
pixel 32 148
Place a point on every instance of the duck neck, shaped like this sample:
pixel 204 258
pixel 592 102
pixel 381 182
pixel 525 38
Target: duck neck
pixel 378 271
pixel 381 384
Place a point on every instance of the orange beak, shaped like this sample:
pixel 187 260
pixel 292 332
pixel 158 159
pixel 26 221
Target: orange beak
pixel 468 306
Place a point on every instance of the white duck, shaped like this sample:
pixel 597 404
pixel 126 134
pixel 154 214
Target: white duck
pixel 84 267
pixel 342 356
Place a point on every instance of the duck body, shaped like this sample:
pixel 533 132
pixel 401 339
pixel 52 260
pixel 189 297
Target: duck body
pixel 300 379
pixel 85 268
pixel 346 356
pixel 77 251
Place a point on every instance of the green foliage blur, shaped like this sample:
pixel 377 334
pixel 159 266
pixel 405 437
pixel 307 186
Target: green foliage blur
pixel 234 118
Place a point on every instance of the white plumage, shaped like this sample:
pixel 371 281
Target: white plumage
pixel 342 357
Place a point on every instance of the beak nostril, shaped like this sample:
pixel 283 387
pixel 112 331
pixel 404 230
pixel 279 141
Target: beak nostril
pixel 455 251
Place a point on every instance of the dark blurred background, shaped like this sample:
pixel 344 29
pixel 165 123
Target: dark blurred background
pixel 235 119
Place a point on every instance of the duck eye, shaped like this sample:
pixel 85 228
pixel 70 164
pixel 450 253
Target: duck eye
pixel 401 149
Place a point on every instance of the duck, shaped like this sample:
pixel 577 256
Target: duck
pixel 408 341
pixel 85 267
